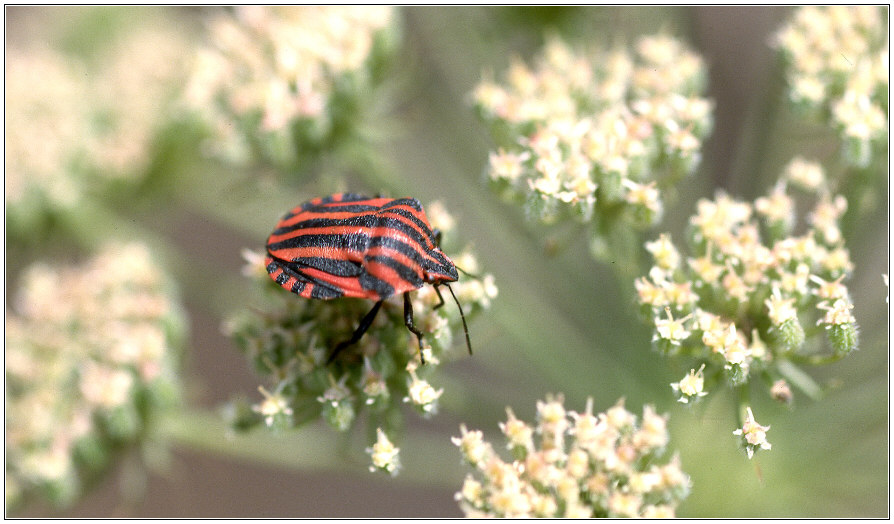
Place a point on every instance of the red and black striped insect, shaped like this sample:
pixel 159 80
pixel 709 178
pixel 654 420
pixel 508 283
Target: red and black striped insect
pixel 348 245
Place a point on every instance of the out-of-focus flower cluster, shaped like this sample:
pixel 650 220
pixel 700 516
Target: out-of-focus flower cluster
pixel 287 83
pixel 291 341
pixel 90 358
pixel 759 289
pixel 581 465
pixel 837 59
pixel 597 136
pixel 74 124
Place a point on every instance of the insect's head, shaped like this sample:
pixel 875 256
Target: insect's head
pixel 439 268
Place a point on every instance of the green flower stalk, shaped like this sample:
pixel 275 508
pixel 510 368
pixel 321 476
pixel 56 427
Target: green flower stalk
pixel 91 359
pixel 837 67
pixel 754 298
pixel 290 341
pixel 599 136
pixel 287 84
pixel 581 465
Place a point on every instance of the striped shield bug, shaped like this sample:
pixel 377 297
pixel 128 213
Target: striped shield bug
pixel 348 245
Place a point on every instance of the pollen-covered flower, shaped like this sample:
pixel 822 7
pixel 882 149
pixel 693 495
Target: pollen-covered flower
pixel 580 133
pixel 837 59
pixel 88 365
pixel 282 82
pixel 291 341
pixel 583 465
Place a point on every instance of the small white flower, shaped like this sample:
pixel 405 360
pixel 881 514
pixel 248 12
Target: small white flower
pixel 691 386
pixel 837 313
pixel 670 329
pixel 384 454
pixel 272 406
pixel 754 435
pixel 780 309
pixel 475 450
pixel 422 394
pixel 664 252
pixel 806 174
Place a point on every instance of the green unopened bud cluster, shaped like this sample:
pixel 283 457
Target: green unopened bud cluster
pixel 90 359
pixel 837 67
pixel 290 340
pixel 597 135
pixel 284 84
pixel 763 284
pixel 577 465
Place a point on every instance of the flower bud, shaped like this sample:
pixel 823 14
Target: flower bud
pixel 781 392
pixel 339 414
pixel 842 337
pixel 789 336
pixel 736 374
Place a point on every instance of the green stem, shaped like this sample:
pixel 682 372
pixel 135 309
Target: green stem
pixel 743 396
pixel 799 379
pixel 431 460
pixel 816 360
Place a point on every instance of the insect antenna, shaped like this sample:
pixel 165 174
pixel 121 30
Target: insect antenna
pixel 461 315
pixel 466 273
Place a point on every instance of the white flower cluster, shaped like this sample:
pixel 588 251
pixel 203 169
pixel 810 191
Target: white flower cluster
pixel 71 123
pixel 586 134
pixel 582 466
pixel 740 300
pixel 89 355
pixel 272 74
pixel 838 68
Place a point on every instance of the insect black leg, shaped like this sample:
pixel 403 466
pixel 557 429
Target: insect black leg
pixel 358 333
pixel 438 291
pixel 408 320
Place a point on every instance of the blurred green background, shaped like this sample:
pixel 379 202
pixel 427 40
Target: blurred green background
pixel 562 322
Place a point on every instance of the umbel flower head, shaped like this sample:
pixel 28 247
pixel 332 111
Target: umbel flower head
pixel 290 341
pixel 580 465
pixel 79 124
pixel 755 298
pixel 286 83
pixel 597 136
pixel 837 68
pixel 90 359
